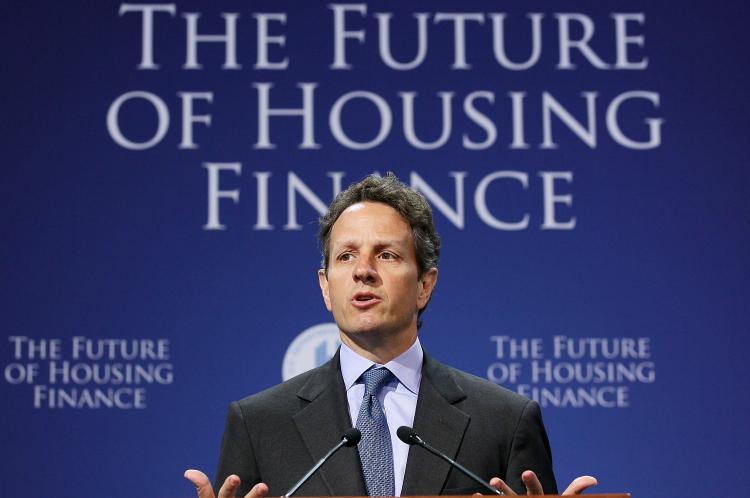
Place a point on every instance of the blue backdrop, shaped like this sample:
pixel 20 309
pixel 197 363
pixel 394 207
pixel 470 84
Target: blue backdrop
pixel 589 180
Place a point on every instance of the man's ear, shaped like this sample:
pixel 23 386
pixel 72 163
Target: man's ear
pixel 426 284
pixel 323 281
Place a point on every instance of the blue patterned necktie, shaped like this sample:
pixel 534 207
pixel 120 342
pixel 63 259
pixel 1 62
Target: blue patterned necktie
pixel 375 451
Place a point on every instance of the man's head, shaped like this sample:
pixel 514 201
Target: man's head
pixel 411 205
pixel 380 253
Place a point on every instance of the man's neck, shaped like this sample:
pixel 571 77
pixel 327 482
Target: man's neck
pixel 380 352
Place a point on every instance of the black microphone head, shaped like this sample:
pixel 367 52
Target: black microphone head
pixel 351 437
pixel 407 435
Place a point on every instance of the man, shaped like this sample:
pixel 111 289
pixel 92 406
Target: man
pixel 380 257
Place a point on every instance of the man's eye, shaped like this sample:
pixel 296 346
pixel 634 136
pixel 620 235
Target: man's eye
pixel 345 257
pixel 387 255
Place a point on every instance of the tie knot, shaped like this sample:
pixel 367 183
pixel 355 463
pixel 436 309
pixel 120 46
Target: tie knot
pixel 375 379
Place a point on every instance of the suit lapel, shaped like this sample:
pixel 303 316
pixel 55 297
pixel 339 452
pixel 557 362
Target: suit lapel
pixel 321 424
pixel 439 423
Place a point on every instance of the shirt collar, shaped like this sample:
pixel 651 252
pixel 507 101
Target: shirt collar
pixel 406 367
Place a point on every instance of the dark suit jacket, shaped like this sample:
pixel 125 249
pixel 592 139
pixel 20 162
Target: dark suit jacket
pixel 275 436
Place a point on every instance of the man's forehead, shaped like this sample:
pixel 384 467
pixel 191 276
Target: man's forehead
pixel 371 213
pixel 370 206
pixel 370 221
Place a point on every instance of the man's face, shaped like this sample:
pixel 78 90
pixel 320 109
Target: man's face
pixel 372 287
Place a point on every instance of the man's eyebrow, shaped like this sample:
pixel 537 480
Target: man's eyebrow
pixel 378 244
pixel 391 243
pixel 344 243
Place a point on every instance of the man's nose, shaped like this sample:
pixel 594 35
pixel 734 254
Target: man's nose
pixel 365 271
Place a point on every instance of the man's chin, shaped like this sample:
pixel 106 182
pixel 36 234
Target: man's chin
pixel 364 327
pixel 361 327
pixel 371 330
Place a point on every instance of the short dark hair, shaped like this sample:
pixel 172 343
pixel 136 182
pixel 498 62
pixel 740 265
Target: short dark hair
pixel 411 205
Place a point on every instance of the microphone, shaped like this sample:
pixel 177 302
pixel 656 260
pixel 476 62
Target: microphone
pixel 410 437
pixel 350 438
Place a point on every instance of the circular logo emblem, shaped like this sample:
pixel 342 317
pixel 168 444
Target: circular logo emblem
pixel 310 349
